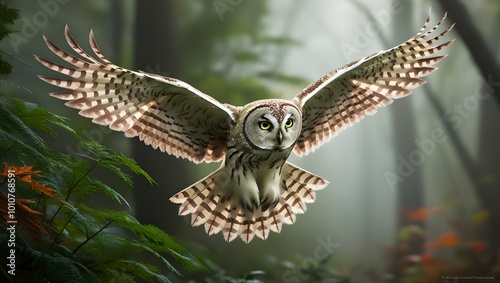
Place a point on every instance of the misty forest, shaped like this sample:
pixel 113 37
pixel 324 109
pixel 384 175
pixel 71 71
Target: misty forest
pixel 413 190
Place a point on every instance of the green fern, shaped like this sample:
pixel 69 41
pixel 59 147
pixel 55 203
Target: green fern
pixel 80 243
pixel 150 238
pixel 39 118
pixel 109 159
pixel 16 133
pixel 7 16
pixel 42 266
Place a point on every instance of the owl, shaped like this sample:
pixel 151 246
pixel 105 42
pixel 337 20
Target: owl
pixel 255 190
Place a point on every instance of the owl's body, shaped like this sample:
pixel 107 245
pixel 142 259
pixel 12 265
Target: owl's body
pixel 255 165
pixel 255 190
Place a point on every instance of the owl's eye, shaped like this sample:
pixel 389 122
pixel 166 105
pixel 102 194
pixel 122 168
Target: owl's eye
pixel 264 125
pixel 289 123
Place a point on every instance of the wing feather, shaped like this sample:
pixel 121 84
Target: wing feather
pixel 219 213
pixel 163 112
pixel 344 96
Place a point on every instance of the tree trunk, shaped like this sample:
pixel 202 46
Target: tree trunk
pixel 156 38
pixel 478 48
pixel 486 177
pixel 117 29
pixel 409 192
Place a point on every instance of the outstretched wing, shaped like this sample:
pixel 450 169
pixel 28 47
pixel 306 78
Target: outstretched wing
pixel 163 112
pixel 344 96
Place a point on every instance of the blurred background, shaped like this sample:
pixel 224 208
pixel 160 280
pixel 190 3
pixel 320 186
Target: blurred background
pixel 413 189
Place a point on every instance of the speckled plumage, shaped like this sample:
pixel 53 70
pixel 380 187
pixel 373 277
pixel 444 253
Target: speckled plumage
pixel 255 190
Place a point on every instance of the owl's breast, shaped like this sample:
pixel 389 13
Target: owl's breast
pixel 253 177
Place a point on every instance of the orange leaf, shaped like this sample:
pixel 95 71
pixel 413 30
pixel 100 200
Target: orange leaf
pixel 26 178
pixel 417 215
pixel 23 170
pixel 25 174
pixel 432 245
pixel 421 214
pixel 25 216
pixel 21 203
pixel 478 246
pixel 427 259
pixel 39 187
pixel 449 239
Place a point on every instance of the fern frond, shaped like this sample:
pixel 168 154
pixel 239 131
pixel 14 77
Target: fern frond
pixel 34 116
pixel 111 160
pixel 153 239
pixel 17 128
pixel 52 267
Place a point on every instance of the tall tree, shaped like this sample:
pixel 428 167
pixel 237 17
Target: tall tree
pixel 485 175
pixel 156 40
pixel 409 192
pixel 117 28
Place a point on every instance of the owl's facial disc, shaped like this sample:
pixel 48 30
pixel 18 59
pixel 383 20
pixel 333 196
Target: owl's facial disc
pixel 273 128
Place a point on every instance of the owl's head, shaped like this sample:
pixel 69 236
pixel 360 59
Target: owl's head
pixel 271 124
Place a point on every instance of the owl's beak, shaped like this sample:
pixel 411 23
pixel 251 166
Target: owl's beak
pixel 279 137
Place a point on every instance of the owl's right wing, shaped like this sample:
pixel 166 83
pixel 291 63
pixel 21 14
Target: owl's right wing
pixel 344 96
pixel 163 112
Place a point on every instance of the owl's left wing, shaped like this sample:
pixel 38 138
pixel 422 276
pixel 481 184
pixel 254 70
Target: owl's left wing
pixel 163 112
pixel 344 96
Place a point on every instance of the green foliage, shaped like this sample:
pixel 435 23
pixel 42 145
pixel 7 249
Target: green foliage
pixel 39 118
pixel 89 244
pixel 61 234
pixel 66 235
pixel 7 16
pixel 237 64
pixel 109 159
pixel 16 137
pixel 303 268
pixel 469 251
pixel 50 267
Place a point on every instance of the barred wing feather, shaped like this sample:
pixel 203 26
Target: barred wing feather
pixel 163 112
pixel 344 96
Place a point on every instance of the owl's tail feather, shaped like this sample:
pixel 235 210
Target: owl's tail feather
pixel 220 213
